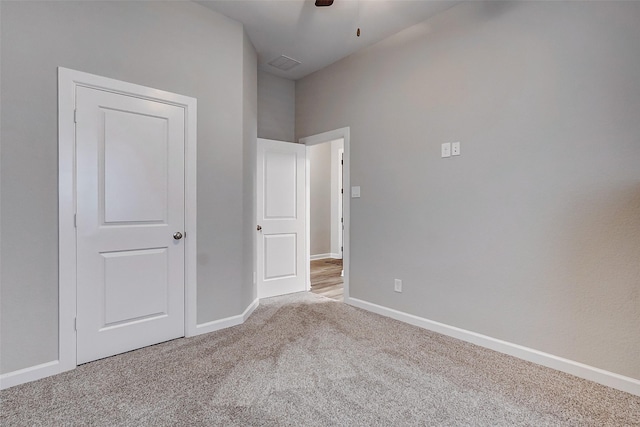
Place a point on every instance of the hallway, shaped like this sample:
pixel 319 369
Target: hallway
pixel 326 279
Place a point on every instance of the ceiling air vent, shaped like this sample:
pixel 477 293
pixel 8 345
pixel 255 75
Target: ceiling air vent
pixel 284 63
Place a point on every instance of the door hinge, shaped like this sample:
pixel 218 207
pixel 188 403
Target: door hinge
pixel 342 162
pixel 341 248
pixel 341 219
pixel 342 191
pixel 75 220
pixel 75 116
pixel 185 234
pixel 75 324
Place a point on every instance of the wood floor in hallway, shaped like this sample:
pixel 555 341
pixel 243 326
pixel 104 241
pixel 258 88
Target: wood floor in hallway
pixel 326 279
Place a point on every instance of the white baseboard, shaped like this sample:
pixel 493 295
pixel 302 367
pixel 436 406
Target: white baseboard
pixel 600 376
pixel 325 256
pixel 32 373
pixel 216 325
pixel 43 370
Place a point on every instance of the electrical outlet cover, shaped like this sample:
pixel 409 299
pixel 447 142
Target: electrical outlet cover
pixel 455 148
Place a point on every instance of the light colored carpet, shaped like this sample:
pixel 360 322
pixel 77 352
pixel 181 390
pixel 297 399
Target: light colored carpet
pixel 304 360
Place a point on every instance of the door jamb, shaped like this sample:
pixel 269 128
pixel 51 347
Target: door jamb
pixel 341 201
pixel 344 134
pixel 68 81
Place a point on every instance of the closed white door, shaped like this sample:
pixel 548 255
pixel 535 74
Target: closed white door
pixel 130 223
pixel 281 218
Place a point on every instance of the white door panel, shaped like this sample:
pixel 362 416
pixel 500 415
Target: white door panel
pixel 280 256
pixel 130 186
pixel 280 170
pixel 281 215
pixel 135 190
pixel 134 285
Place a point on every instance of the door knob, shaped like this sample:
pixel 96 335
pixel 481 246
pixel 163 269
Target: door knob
pixel 259 228
pixel 177 235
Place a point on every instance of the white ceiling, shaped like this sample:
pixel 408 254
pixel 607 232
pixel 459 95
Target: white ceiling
pixel 316 36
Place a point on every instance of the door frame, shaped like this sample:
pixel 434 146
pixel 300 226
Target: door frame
pixel 341 201
pixel 68 81
pixel 344 134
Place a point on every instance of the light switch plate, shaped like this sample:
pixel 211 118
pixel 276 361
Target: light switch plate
pixel 446 149
pixel 355 192
pixel 455 148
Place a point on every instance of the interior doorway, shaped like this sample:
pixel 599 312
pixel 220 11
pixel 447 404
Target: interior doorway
pixel 327 213
pixel 325 163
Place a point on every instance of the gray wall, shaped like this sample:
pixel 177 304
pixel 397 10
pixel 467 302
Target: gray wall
pixel 532 235
pixel 276 107
pixel 319 157
pixel 250 105
pixel 180 47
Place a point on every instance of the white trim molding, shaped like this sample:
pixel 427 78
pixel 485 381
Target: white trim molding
pixel 68 82
pixel 324 256
pixel 216 325
pixel 48 369
pixel 581 370
pixel 32 373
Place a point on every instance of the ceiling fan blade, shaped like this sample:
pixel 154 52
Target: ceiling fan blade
pixel 323 3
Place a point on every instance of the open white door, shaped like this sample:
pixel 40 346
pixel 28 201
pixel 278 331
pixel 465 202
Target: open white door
pixel 130 223
pixel 281 218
